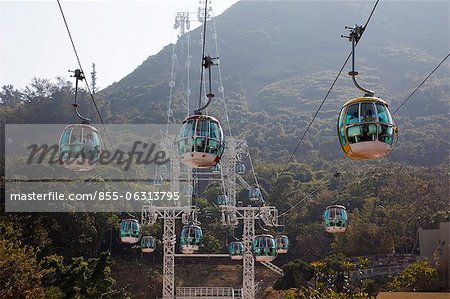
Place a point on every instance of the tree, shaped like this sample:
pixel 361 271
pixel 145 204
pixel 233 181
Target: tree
pixel 331 294
pixel 332 274
pixel 20 276
pixel 81 278
pixel 417 277
pixel 296 273
pixel 10 96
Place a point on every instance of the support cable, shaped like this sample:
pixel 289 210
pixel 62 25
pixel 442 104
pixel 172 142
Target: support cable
pixel 403 102
pixel 89 89
pixel 326 96
pixel 221 88
pixel 188 65
pixel 203 54
pixel 171 85
pixel 421 83
pixel 310 194
pixel 81 68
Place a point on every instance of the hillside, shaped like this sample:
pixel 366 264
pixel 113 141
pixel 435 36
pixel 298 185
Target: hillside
pixel 277 64
pixel 264 44
pixel 278 60
pixel 143 277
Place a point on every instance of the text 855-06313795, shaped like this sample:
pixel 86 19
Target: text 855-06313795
pixel 144 196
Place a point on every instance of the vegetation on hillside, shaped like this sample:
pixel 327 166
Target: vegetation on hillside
pixel 271 95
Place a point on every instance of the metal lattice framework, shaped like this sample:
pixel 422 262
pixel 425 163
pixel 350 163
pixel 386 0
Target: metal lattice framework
pixel 248 275
pixel 231 214
pixel 169 241
pixel 149 216
pixel 182 179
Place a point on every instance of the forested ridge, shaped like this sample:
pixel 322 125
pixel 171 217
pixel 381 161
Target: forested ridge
pixel 278 60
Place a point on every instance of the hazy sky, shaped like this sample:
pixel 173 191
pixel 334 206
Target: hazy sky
pixel 117 35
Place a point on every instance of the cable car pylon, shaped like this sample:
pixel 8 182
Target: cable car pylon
pixel 199 136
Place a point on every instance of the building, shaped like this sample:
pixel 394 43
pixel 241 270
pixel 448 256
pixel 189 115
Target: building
pixel 435 241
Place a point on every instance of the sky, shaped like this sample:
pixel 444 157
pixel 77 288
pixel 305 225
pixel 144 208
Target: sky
pixel 115 35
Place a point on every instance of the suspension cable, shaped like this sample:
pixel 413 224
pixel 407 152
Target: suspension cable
pixel 421 83
pixel 204 63
pixel 314 191
pixel 221 89
pixel 312 120
pixel 223 182
pixel 325 98
pixel 188 65
pixel 204 89
pixel 407 98
pixel 89 90
pixel 171 85
pixel 81 68
pixel 203 53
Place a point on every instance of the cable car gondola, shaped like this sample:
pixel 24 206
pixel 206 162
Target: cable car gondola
pixel 130 231
pixel 282 243
pixel 264 248
pixel 187 190
pixel 336 219
pixel 80 145
pixel 191 238
pixel 365 127
pixel 201 140
pixel 236 250
pixel 158 180
pixel 223 200
pixel 254 194
pixel 240 168
pixel 162 169
pixel 148 244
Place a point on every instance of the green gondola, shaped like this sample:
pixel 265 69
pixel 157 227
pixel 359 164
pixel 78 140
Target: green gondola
pixel 240 168
pixel 336 219
pixel 282 243
pixel 264 248
pixel 255 194
pixel 200 141
pixel 366 129
pixel 223 200
pixel 130 231
pixel 191 238
pixel 236 250
pixel 80 146
pixel 148 244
